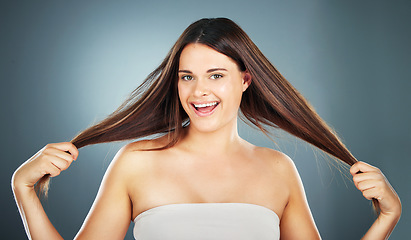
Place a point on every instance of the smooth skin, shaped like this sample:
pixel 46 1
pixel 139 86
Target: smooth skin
pixel 373 185
pixel 234 171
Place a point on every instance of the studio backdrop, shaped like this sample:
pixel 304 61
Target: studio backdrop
pixel 67 64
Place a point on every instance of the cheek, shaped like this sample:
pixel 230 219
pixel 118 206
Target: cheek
pixel 183 93
pixel 226 88
pixel 180 91
pixel 232 92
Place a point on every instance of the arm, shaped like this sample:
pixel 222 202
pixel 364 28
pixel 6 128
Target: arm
pixel 373 185
pixel 296 221
pixel 110 215
pixel 52 159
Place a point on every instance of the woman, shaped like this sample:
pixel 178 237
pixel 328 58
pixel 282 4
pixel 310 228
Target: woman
pixel 199 179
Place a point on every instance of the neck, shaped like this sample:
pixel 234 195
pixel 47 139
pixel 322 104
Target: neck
pixel 220 142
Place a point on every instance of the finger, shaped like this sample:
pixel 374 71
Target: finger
pixel 359 177
pixel 54 161
pixel 367 184
pixel 65 146
pixel 54 152
pixel 371 193
pixel 60 163
pixel 362 167
pixel 50 168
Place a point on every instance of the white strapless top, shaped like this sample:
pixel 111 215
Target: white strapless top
pixel 207 221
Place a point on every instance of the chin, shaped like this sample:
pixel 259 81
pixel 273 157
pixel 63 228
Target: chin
pixel 205 128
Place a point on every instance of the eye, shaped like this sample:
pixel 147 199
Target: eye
pixel 187 78
pixel 216 76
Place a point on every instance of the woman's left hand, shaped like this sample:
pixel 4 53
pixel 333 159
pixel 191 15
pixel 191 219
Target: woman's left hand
pixel 373 185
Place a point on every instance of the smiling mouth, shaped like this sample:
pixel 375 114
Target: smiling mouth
pixel 205 109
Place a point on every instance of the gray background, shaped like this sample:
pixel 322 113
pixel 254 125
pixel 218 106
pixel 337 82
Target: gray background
pixel 67 64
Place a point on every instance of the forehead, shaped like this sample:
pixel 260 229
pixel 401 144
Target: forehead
pixel 199 57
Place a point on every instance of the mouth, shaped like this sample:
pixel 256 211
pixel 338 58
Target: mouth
pixel 205 109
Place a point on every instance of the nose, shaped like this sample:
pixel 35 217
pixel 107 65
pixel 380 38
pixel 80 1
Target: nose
pixel 201 88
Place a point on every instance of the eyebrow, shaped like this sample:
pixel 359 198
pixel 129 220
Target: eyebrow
pixel 208 71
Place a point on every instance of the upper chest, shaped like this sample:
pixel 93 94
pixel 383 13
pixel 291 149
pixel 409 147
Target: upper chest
pixel 173 178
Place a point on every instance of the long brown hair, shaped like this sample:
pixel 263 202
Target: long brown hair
pixel 270 100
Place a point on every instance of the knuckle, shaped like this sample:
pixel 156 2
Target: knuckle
pixel 55 173
pixel 47 150
pixel 367 196
pixel 46 156
pixel 66 165
pixel 49 145
pixel 44 165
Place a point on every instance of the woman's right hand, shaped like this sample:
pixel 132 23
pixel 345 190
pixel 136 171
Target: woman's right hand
pixel 52 159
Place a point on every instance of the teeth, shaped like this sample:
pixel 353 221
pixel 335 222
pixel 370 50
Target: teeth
pixel 205 105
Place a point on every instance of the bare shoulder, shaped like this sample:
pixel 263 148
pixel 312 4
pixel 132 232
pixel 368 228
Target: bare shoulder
pixel 282 170
pixel 146 145
pixel 135 156
pixel 296 219
pixel 112 207
pixel 141 148
pixel 280 162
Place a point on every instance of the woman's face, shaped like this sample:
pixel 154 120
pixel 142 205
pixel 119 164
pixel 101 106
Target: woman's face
pixel 210 86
